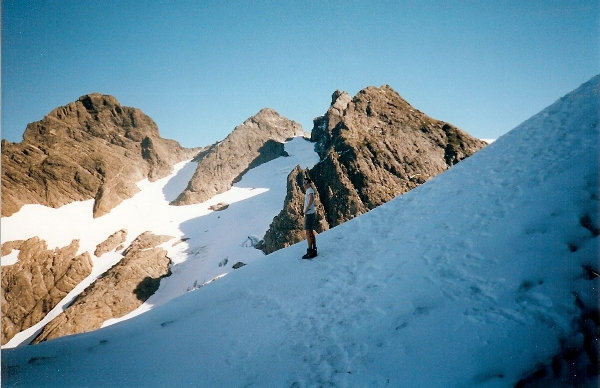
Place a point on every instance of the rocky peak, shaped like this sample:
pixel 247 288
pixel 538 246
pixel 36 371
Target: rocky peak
pixel 383 147
pixel 92 115
pixel 373 147
pixel 324 125
pixel 258 140
pixel 92 148
pixel 264 116
pixel 339 102
pixel 96 102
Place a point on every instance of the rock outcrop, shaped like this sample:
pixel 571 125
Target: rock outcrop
pixel 117 292
pixel 92 148
pixel 373 147
pixel 112 242
pixel 258 140
pixel 38 281
pixel 9 246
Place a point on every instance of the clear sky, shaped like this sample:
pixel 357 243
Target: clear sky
pixel 199 68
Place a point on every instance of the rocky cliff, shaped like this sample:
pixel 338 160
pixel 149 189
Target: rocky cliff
pixel 117 292
pixel 92 148
pixel 258 140
pixel 39 280
pixel 373 147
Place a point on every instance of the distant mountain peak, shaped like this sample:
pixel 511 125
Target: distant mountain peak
pixel 92 148
pixel 259 139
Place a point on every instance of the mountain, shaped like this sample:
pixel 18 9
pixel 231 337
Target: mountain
pixel 258 140
pixel 373 147
pixel 485 275
pixel 123 146
pixel 90 148
pixel 73 295
pixel 73 278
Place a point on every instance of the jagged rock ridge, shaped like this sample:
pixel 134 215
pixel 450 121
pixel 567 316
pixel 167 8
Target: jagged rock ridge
pixel 258 140
pixel 373 147
pixel 38 281
pixel 117 292
pixel 92 148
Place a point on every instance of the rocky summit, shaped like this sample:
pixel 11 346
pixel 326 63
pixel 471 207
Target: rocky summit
pixel 373 147
pixel 258 140
pixel 92 148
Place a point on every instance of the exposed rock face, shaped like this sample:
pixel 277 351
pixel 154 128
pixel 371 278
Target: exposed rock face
pixel 374 147
pixel 113 241
pixel 39 280
pixel 119 291
pixel 92 148
pixel 377 147
pixel 9 246
pixel 287 227
pixel 219 206
pixel 258 140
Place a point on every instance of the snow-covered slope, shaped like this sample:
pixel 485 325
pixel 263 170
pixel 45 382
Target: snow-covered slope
pixel 471 279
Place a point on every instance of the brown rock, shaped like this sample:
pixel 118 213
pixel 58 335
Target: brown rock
pixel 113 241
pixel 9 246
pixel 119 291
pixel 37 282
pixel 92 148
pixel 219 206
pixel 258 140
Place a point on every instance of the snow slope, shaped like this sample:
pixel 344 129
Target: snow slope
pixel 468 280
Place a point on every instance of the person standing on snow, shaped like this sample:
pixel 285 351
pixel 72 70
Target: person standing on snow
pixel 310 219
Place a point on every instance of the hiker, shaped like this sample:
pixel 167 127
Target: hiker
pixel 310 219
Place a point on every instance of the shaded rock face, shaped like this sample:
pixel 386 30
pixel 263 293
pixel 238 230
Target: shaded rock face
pixel 258 140
pixel 373 147
pixel 92 148
pixel 39 280
pixel 117 292
pixel 287 227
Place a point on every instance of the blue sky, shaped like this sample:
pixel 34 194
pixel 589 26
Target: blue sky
pixel 199 68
